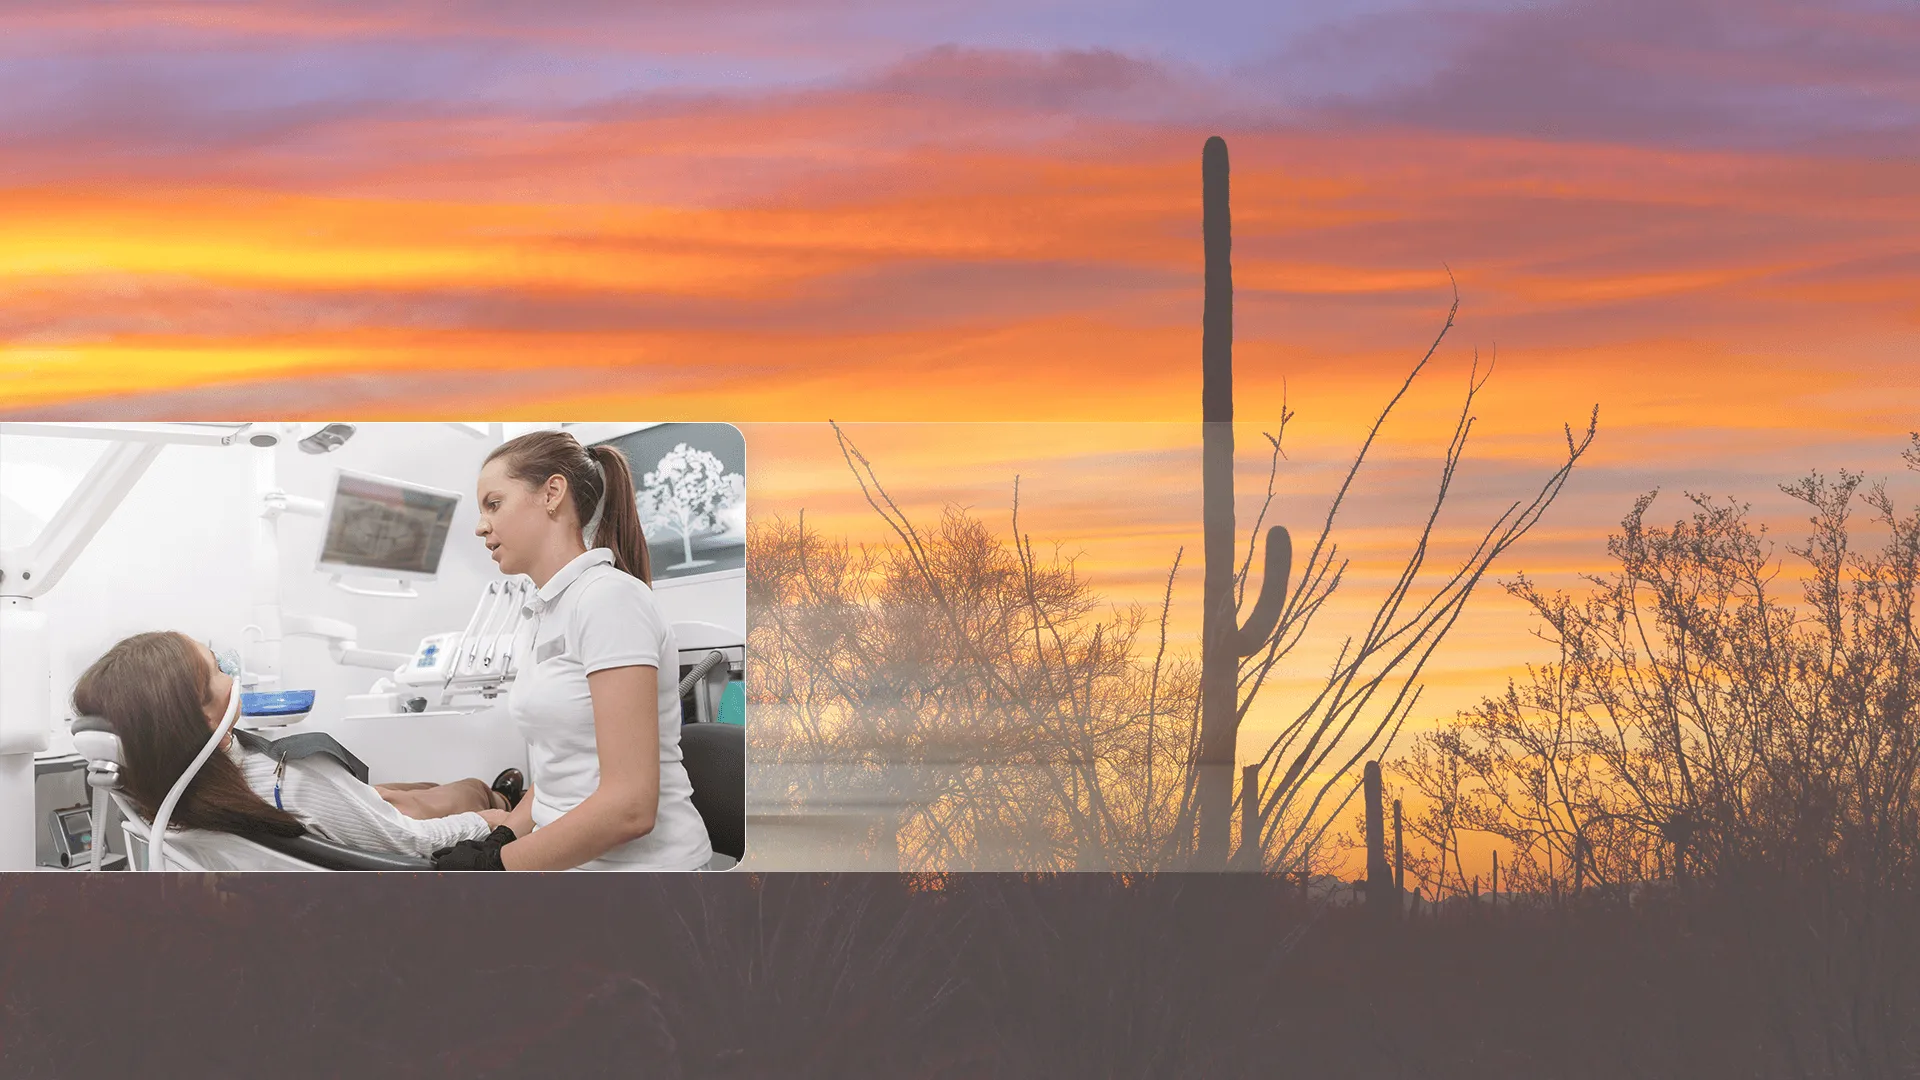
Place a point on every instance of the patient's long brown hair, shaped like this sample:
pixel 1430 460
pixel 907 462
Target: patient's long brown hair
pixel 153 689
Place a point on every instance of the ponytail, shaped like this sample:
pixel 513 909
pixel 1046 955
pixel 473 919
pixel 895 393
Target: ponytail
pixel 599 481
pixel 620 530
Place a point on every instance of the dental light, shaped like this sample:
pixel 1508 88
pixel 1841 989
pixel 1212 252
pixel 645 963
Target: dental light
pixel 327 439
pixel 312 438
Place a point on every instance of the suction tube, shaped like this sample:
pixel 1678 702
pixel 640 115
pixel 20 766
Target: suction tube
pixel 157 849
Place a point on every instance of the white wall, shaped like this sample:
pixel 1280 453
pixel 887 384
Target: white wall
pixel 721 601
pixel 178 554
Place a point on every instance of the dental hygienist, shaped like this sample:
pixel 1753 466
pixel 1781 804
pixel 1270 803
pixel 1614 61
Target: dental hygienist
pixel 596 697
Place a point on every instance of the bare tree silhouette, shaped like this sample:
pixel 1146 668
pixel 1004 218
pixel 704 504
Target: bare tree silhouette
pixel 974 683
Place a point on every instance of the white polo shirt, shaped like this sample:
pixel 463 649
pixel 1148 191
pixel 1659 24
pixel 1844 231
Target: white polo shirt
pixel 592 617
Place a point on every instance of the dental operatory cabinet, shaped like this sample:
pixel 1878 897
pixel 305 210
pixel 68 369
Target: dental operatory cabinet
pixel 338 559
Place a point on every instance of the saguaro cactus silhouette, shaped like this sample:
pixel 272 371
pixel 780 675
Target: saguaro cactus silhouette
pixel 1399 856
pixel 1224 640
pixel 1379 874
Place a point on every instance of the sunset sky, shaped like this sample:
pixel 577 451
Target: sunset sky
pixel 1698 215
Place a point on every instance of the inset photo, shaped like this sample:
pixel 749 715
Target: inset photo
pixel 326 646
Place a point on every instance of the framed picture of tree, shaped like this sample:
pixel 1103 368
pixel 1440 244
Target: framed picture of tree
pixel 690 482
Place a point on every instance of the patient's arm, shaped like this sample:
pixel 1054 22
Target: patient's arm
pixel 319 791
pixel 424 802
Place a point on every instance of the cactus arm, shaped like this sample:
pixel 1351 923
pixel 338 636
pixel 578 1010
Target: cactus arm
pixel 1273 593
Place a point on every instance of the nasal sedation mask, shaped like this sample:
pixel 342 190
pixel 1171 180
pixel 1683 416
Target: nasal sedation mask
pixel 264 709
pixel 228 661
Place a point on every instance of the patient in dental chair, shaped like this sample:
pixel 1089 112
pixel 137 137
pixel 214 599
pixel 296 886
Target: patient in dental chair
pixel 164 694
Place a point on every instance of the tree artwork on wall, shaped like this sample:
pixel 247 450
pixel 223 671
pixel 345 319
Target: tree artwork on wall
pixel 687 494
pixel 690 482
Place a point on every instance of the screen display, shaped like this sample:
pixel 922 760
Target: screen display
pixel 381 525
pixel 78 827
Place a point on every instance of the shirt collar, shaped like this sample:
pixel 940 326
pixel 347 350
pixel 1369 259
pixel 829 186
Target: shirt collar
pixel 570 573
pixel 235 749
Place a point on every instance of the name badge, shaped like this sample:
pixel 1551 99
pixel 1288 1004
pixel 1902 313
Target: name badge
pixel 549 649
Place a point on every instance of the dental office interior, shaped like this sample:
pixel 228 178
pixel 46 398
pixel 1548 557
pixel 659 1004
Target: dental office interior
pixel 222 532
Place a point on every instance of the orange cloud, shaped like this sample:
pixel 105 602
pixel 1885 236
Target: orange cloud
pixel 1328 232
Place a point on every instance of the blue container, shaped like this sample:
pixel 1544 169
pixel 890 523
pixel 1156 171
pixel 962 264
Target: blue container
pixel 733 704
pixel 277 703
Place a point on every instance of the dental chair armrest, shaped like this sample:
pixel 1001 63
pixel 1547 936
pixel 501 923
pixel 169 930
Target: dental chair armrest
pixel 332 856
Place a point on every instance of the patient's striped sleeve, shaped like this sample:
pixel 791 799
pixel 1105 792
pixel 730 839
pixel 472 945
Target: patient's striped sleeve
pixel 337 807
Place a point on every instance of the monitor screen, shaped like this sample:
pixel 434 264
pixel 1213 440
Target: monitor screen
pixel 385 525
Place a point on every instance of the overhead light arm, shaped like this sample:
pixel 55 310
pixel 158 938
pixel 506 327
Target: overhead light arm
pixel 158 434
pixel 32 570
pixel 340 638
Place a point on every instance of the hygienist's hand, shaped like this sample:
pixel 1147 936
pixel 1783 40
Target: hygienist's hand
pixel 475 854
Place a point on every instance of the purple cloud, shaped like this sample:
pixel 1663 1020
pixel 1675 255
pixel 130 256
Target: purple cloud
pixel 1693 72
pixel 1024 78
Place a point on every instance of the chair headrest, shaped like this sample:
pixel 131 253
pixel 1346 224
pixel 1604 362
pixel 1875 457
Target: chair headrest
pixel 95 740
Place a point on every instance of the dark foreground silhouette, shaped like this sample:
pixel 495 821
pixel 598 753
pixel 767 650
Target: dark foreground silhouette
pixel 968 976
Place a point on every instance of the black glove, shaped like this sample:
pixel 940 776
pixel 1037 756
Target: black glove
pixel 475 854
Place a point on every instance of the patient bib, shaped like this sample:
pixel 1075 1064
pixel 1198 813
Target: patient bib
pixel 306 744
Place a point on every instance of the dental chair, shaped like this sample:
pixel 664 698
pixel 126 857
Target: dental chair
pixel 203 850
pixel 715 756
